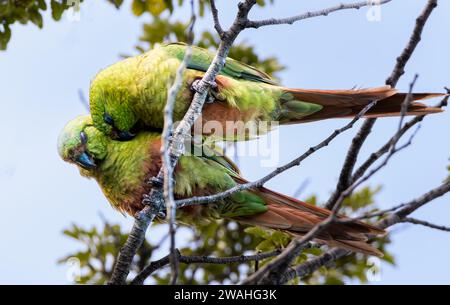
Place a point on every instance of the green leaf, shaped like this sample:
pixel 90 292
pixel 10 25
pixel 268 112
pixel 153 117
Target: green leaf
pixel 116 3
pixel 36 18
pixel 138 7
pixel 57 9
pixel 257 231
pixel 265 245
pixel 156 7
pixel 5 36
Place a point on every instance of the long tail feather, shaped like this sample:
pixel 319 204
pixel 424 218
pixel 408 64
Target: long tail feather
pixel 297 218
pixel 348 103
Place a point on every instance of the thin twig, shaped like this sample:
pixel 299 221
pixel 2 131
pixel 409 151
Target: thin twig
pixel 414 40
pixel 425 224
pixel 154 202
pixel 215 14
pixel 350 161
pixel 273 271
pixel 200 259
pixel 83 100
pixel 345 178
pixel 148 214
pixel 301 188
pixel 314 264
pixel 167 162
pixel 392 151
pixel 385 148
pixel 324 12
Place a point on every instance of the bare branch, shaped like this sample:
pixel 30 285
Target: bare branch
pixel 385 148
pixel 154 202
pixel 302 187
pixel 148 214
pixel 345 178
pixel 414 205
pixel 83 100
pixel 272 272
pixel 155 205
pixel 134 242
pixel 153 266
pixel 313 265
pixel 350 161
pixel 392 151
pixel 215 14
pixel 323 12
pixel 414 40
pixel 425 223
pixel 167 162
pixel 402 212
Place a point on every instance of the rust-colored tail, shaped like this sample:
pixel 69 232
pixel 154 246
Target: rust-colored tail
pixel 348 103
pixel 298 218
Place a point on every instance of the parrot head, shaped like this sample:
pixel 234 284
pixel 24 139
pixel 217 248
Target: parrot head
pixel 82 144
pixel 109 101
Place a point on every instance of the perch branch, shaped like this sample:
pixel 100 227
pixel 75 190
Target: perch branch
pixel 323 12
pixel 425 224
pixel 345 178
pixel 191 259
pixel 402 212
pixel 167 162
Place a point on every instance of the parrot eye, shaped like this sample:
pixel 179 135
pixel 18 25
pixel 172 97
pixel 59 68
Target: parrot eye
pixel 83 137
pixel 108 119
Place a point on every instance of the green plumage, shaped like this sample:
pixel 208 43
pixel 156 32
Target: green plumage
pixel 124 167
pixel 133 92
pixel 122 170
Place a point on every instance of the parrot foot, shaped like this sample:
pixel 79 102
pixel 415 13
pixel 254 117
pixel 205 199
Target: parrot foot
pixel 156 182
pixel 195 86
pixel 213 92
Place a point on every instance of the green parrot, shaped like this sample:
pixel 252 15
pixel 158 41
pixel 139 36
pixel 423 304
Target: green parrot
pixel 130 95
pixel 121 168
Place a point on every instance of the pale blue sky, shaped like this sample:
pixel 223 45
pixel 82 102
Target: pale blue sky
pixel 42 70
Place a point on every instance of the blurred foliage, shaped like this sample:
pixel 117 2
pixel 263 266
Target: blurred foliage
pixel 162 29
pixel 101 246
pixel 25 11
pixel 222 238
pixel 101 249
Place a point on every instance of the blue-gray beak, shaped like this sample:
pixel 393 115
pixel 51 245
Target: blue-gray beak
pixel 125 136
pixel 86 161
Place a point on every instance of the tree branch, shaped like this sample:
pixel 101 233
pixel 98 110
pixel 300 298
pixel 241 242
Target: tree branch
pixel 167 160
pixel 414 40
pixel 323 12
pixel 194 259
pixel 273 272
pixel 215 14
pixel 425 224
pixel 345 178
pixel 164 179
pixel 312 265
pixel 385 148
pixel 154 202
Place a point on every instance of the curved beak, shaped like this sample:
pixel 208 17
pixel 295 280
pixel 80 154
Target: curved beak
pixel 125 135
pixel 86 161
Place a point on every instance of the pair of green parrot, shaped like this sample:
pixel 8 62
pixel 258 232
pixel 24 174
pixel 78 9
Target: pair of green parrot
pixel 119 143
